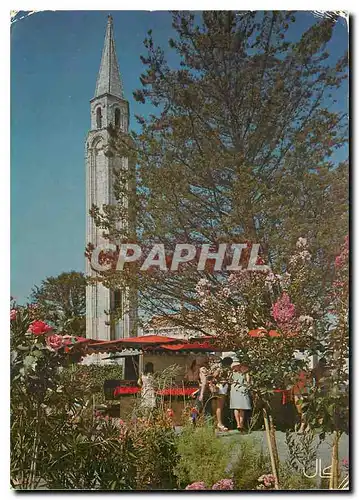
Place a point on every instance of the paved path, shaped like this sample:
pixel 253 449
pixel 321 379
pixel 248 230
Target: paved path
pixel 324 449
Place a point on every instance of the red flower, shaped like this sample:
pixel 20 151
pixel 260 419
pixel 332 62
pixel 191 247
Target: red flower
pixel 39 328
pixel 66 349
pixel 170 412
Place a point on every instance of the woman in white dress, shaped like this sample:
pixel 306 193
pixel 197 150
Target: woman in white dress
pixel 239 395
pixel 148 394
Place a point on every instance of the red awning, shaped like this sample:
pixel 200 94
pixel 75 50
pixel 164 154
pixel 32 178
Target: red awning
pixel 157 342
pixel 191 346
pixel 142 340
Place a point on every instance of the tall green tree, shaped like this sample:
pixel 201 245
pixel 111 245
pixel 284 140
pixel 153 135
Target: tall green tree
pixel 62 301
pixel 241 147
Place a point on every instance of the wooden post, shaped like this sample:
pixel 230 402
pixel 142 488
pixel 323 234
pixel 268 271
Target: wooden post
pixel 274 443
pixel 334 477
pixel 270 447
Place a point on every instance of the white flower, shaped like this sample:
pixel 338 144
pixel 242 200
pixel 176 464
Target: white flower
pixel 301 243
pixel 202 283
pixel 305 319
pixel 271 277
pixel 226 292
pixel 305 255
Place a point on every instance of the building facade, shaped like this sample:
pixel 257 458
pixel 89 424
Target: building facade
pixel 108 106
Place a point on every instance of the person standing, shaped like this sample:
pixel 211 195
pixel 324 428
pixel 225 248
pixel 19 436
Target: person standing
pixel 148 394
pixel 192 374
pixel 204 394
pixel 220 382
pixel 239 396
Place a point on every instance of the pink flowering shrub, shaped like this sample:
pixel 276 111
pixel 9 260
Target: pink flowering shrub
pixel 199 485
pixel 223 484
pixel 266 481
pixel 283 311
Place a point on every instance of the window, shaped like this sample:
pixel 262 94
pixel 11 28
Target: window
pixel 117 117
pixel 117 299
pixel 98 118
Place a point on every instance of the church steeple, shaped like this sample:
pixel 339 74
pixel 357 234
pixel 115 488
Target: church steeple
pixel 109 78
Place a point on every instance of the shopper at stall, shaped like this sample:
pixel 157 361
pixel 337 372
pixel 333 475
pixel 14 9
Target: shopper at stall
pixel 220 388
pixel 204 394
pixel 146 382
pixel 192 374
pixel 239 395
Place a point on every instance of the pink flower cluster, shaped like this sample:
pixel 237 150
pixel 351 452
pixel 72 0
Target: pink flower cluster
pixel 283 311
pixel 199 485
pixel 54 341
pixel 343 257
pixel 13 314
pixel 267 481
pixel 224 484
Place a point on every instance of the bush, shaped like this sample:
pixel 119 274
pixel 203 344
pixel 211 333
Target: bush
pixel 248 464
pixel 91 456
pixel 156 452
pixel 91 378
pixel 292 480
pixel 56 441
pixel 202 457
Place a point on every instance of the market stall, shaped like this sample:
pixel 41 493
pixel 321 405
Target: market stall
pixel 163 352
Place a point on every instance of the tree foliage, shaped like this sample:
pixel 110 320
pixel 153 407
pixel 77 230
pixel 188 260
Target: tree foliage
pixel 241 147
pixel 62 300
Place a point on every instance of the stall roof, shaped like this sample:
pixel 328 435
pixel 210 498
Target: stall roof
pixel 157 342
pixel 146 342
pixel 191 346
pixel 142 340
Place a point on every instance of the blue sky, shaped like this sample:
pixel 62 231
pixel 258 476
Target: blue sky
pixel 55 57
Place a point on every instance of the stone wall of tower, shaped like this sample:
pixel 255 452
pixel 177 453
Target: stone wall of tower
pixel 98 298
pixel 99 192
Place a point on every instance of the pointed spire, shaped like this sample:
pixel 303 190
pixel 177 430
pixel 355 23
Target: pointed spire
pixel 109 79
